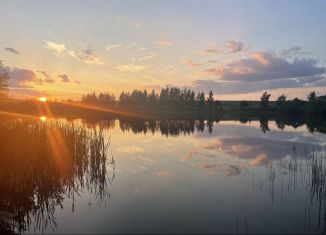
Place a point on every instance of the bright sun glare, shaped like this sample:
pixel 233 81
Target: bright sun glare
pixel 43 99
pixel 43 118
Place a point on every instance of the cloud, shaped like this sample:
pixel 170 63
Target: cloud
pixel 234 46
pixel 12 50
pixel 165 42
pixel 133 68
pixel 265 66
pixel 112 46
pixel 18 78
pixel 86 55
pixel 46 77
pixel 261 71
pixel 142 49
pixel 190 63
pixel 45 74
pixel 78 82
pixel 64 78
pixel 56 47
pixel 211 51
pixel 230 47
pixel 147 57
pixel 293 51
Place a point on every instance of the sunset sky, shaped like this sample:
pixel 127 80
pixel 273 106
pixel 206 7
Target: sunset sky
pixel 62 49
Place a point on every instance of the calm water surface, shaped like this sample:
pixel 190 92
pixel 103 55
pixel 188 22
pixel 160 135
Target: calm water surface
pixel 131 176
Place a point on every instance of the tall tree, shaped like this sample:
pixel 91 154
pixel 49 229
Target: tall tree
pixel 210 100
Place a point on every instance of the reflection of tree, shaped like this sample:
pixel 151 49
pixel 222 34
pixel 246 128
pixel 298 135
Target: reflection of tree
pixel 42 164
pixel 264 125
pixel 175 127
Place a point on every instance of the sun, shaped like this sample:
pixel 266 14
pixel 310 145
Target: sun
pixel 43 99
pixel 43 118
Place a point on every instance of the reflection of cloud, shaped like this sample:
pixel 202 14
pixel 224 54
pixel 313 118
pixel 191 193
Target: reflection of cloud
pixel 232 170
pixel 210 166
pixel 12 50
pixel 259 160
pixel 257 151
pixel 163 173
pixel 131 149
pixel 189 155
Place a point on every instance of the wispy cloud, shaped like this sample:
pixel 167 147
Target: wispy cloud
pixel 147 57
pixel 165 42
pixel 46 77
pixel 64 78
pixel 109 47
pixel 86 55
pixel 12 50
pixel 190 63
pixel 142 49
pixel 234 46
pixel 133 68
pixel 56 47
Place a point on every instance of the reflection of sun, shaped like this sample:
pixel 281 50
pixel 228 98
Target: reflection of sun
pixel 43 118
pixel 43 99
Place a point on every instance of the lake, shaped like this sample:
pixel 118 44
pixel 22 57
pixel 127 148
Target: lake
pixel 162 176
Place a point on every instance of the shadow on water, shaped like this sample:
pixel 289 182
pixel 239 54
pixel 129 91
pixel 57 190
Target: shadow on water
pixel 45 163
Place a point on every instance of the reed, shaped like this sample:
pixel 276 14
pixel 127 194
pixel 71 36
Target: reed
pixel 44 163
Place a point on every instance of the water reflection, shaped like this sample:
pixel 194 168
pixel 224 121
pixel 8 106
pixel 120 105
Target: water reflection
pixel 246 175
pixel 44 163
pixel 175 127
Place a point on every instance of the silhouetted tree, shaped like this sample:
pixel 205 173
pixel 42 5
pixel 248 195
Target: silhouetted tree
pixel 4 78
pixel 152 99
pixel 210 100
pixel 281 100
pixel 200 98
pixel 264 99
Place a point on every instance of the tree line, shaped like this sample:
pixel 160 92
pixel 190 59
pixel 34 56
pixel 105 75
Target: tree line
pixel 313 105
pixel 173 98
pixel 169 98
